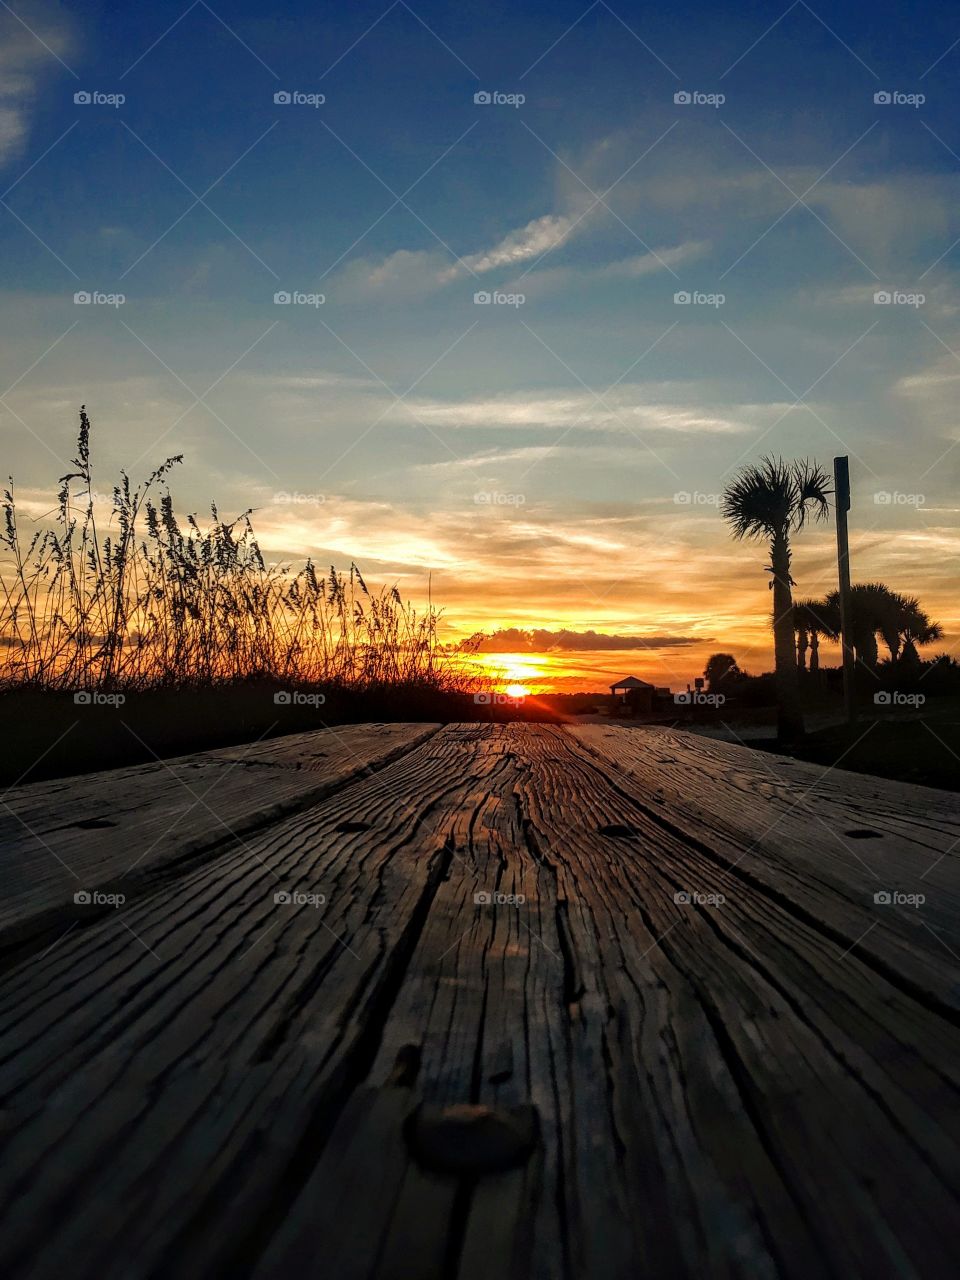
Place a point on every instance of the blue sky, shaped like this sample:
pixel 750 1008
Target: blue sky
pixel 534 458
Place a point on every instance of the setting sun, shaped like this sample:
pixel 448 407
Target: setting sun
pixel 517 690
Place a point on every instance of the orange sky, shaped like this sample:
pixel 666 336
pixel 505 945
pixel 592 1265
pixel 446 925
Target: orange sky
pixel 649 571
pixel 714 595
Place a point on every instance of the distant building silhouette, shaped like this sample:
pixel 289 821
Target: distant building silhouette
pixel 633 693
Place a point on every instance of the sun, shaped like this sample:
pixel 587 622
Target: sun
pixel 516 674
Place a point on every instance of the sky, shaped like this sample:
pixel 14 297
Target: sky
pixel 494 299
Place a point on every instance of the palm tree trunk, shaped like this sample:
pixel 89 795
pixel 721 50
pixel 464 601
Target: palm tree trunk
pixel 814 653
pixel 802 645
pixel 870 651
pixel 789 715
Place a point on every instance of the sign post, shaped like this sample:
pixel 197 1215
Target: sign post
pixel 841 486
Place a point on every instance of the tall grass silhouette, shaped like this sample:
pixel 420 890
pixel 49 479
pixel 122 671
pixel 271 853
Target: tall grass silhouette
pixel 152 602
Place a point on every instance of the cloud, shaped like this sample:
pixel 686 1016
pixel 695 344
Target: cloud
pixel 409 274
pixel 536 238
pixel 697 184
pixel 539 640
pixel 23 62
pixel 634 267
pixel 412 272
pixel 620 410
pixel 416 272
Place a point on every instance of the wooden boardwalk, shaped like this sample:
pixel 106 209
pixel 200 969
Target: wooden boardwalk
pixel 420 1003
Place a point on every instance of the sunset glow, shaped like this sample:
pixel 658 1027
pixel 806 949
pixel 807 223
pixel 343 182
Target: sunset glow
pixel 549 466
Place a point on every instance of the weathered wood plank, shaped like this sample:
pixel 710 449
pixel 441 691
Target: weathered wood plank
pixel 792 825
pixel 744 1087
pixel 718 1087
pixel 755 791
pixel 164 1073
pixel 117 831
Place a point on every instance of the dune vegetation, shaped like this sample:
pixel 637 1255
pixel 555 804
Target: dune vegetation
pixel 152 600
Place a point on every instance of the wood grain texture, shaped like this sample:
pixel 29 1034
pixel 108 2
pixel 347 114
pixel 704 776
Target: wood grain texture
pixel 741 1064
pixel 121 830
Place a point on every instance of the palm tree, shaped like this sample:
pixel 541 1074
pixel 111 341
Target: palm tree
pixel 825 625
pixel 876 610
pixel 872 611
pixel 769 502
pixel 813 620
pixel 721 667
pixel 916 629
pixel 803 638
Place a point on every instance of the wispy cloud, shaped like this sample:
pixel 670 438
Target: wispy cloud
pixel 412 272
pixel 620 410
pixel 536 238
pixel 634 267
pixel 540 640
pixel 29 49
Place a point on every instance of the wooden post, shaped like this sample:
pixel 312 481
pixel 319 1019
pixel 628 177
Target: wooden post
pixel 841 486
